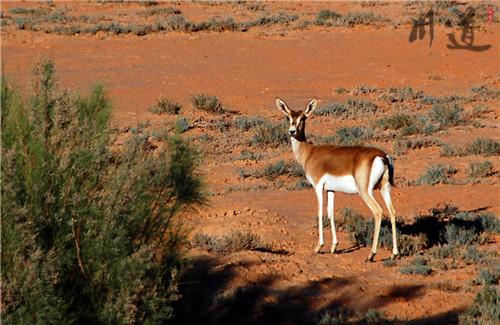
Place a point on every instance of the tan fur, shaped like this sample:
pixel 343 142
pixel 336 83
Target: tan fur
pixel 338 161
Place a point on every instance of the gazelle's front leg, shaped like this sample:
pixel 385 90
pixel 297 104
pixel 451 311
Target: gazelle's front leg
pixel 330 207
pixel 319 195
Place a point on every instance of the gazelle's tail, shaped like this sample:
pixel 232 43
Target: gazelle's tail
pixel 390 166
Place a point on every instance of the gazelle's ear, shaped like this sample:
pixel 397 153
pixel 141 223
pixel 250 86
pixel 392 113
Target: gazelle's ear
pixel 282 106
pixel 311 107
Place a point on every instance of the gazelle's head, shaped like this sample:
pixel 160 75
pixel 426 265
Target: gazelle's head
pixel 297 119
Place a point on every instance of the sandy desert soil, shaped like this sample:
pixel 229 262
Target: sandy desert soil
pixel 246 71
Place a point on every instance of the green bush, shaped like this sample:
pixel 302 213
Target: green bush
pixel 234 242
pixel 485 309
pixel 181 125
pixel 437 174
pixel 483 146
pixel 352 136
pixel 165 106
pixel 270 133
pixel 89 234
pixel 417 266
pixel 480 169
pixel 208 103
pixel 446 116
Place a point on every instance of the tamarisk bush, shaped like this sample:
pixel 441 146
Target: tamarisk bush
pixel 90 231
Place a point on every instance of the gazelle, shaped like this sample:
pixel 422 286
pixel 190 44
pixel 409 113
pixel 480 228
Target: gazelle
pixel 354 170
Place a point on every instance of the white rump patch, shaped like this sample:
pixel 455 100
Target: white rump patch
pixel 378 169
pixel 345 184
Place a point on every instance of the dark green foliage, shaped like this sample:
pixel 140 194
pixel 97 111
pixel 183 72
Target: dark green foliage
pixel 234 242
pixel 481 169
pixel 483 146
pixel 270 133
pixel 208 103
pixel 89 234
pixel 417 266
pixel 165 106
pixel 437 174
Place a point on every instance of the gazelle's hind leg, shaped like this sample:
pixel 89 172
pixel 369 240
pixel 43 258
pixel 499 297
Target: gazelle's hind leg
pixel 330 205
pixel 319 195
pixel 377 214
pixel 366 179
pixel 385 190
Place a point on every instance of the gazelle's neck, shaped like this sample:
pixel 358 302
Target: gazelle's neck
pixel 299 149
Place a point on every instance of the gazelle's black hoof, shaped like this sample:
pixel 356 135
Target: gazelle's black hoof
pixel 371 257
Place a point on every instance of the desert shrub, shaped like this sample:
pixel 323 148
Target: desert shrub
pixel 270 133
pixel 360 107
pixel 483 146
pixel 300 184
pixel 90 234
pixel 472 255
pixel 389 263
pixel 326 16
pixel 395 122
pixel 437 174
pixel 341 90
pixel 208 103
pixel 417 266
pixel 165 106
pixel 249 155
pixel 401 146
pixel 393 95
pixel 488 276
pixel 234 242
pixel 274 170
pixel 433 100
pixel 246 123
pixel 446 116
pixel 485 92
pixel 181 125
pixel 352 136
pixel 332 109
pixel 363 90
pixel 485 309
pixel 331 18
pixel 281 18
pixel 161 11
pixel 360 228
pixel 446 286
pixel 481 169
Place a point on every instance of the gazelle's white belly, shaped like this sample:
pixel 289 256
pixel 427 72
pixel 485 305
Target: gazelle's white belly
pixel 345 184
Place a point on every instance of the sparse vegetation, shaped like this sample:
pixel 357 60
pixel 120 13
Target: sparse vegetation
pixel 417 266
pixel 181 125
pixel 485 92
pixel 234 242
pixel 401 146
pixel 446 116
pixel 270 133
pixel 246 123
pixel 208 103
pixel 437 174
pixel 483 146
pixel 351 136
pixel 395 95
pixel 351 109
pixel 330 18
pixel 274 170
pixel 481 169
pixel 165 106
